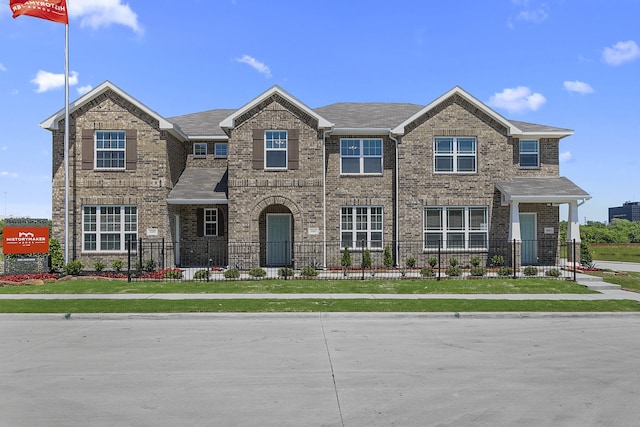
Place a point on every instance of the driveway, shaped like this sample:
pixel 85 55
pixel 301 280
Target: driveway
pixel 319 370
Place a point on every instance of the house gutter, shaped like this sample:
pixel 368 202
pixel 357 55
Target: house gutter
pixel 324 196
pixel 396 219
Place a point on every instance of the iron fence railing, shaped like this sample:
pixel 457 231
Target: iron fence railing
pixel 218 260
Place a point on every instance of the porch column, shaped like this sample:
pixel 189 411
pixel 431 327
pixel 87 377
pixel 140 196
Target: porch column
pixel 514 223
pixel 573 225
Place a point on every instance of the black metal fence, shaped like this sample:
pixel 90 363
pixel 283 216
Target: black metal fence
pixel 209 260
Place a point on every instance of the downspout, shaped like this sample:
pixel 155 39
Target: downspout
pixel 324 197
pixel 397 205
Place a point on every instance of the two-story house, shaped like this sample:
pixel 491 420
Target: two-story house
pixel 276 182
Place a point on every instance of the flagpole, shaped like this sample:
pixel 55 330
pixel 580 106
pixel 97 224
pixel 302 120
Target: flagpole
pixel 66 143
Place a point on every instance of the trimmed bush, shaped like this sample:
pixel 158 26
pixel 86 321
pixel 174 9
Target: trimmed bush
pixel 73 268
pixel 308 272
pixel 410 262
pixel 433 261
pixel 98 266
pixel 173 274
pixel 474 261
pixel 505 271
pixel 346 258
pixel 117 265
pixel 497 260
pixel 232 273
pixel 285 272
pixel 366 258
pixel 530 270
pixel 387 258
pixel 477 271
pixel 201 274
pixel 453 271
pixel 55 255
pixel 554 272
pixel 257 272
pixel 427 272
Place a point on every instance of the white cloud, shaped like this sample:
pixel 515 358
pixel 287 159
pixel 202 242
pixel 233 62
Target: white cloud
pixel 103 13
pixel 3 68
pixel 9 174
pixel 535 15
pixel 255 64
pixel 579 87
pixel 47 81
pixel 566 157
pixel 517 100
pixel 621 52
pixel 84 89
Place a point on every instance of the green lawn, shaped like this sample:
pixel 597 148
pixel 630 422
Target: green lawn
pixel 613 252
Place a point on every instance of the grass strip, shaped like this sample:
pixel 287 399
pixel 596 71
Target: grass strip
pixel 305 305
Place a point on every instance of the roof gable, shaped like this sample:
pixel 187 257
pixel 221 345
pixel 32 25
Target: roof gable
pixel 230 121
pixel 51 123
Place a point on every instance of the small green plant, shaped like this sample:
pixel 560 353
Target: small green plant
pixel 474 261
pixel 285 272
pixel 530 270
pixel 387 257
pixel 173 274
pixel 497 260
pixel 453 271
pixel 308 272
pixel 232 273
pixel 505 271
pixel 117 265
pixel 586 257
pixel 257 272
pixel 149 265
pixel 346 258
pixel 73 268
pixel 55 255
pixel 366 258
pixel 453 262
pixel 433 261
pixel 98 266
pixel 410 262
pixel 201 274
pixel 477 271
pixel 554 272
pixel 427 272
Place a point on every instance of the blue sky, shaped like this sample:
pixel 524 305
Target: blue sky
pixel 567 63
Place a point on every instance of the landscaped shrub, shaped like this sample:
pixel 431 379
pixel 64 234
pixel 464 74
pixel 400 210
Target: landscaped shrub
pixel 427 272
pixel 257 272
pixel 474 261
pixel 149 265
pixel 433 261
pixel 497 261
pixel 346 258
pixel 98 266
pixel 201 274
pixel 505 271
pixel 366 258
pixel 453 271
pixel 453 261
pixel 285 272
pixel 117 265
pixel 586 257
pixel 387 257
pixel 530 270
pixel 232 273
pixel 554 272
pixel 173 274
pixel 410 262
pixel 55 255
pixel 477 271
pixel 73 268
pixel 308 272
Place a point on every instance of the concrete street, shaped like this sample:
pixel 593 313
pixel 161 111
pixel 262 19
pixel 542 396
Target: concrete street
pixel 319 370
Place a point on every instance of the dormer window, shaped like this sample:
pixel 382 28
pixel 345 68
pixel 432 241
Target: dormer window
pixel 529 153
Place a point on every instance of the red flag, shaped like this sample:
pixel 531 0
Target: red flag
pixel 52 10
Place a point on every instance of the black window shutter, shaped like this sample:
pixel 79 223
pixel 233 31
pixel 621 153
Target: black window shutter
pixel 200 222
pixel 294 148
pixel 220 223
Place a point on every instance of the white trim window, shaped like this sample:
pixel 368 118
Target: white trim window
pixel 529 153
pixel 211 222
pixel 108 228
pixel 275 149
pixel 220 149
pixel 361 223
pixel 360 156
pixel 200 149
pixel 455 155
pixel 110 149
pixel 456 227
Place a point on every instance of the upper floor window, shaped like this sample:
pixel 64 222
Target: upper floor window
pixel 220 149
pixel 275 142
pixel 455 154
pixel 529 153
pixel 361 156
pixel 109 228
pixel 200 149
pixel 361 224
pixel 455 227
pixel 110 149
pixel 211 222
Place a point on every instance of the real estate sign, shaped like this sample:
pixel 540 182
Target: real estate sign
pixel 25 239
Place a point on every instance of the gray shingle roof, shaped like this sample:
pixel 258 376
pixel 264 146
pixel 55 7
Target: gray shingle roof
pixel 535 128
pixel 383 115
pixel 200 186
pixel 205 123
pixel 542 189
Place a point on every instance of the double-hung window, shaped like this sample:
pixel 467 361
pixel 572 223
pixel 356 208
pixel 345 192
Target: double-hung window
pixel 361 156
pixel 110 149
pixel 455 155
pixel 529 153
pixel 360 224
pixel 455 227
pixel 200 149
pixel 211 222
pixel 275 149
pixel 220 149
pixel 108 228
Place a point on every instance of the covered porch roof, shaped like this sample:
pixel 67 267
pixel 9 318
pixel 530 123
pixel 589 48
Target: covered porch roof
pixel 200 186
pixel 556 189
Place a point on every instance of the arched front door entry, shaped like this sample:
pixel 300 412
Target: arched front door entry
pixel 279 239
